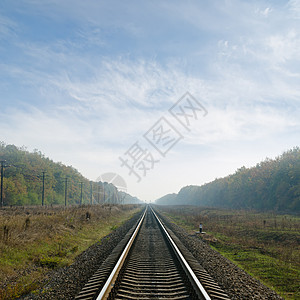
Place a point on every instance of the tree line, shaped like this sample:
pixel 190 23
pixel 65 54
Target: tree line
pixel 23 181
pixel 273 184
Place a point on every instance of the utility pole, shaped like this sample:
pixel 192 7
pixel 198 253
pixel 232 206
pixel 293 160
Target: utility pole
pixel 2 173
pixel 66 189
pixel 117 196
pixel 98 193
pixel 91 200
pixel 122 197
pixel 43 191
pixel 113 196
pixel 103 192
pixel 81 183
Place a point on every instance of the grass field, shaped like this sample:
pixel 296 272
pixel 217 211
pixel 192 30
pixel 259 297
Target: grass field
pixel 34 241
pixel 266 245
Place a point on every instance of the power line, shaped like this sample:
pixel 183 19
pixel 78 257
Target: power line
pixel 43 191
pixel 2 173
pixel 81 183
pixel 43 177
pixel 1 185
pixel 66 189
pixel 91 200
pixel 98 193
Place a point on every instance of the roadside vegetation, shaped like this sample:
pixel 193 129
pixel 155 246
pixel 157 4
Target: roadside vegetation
pixel 37 240
pixel 30 178
pixel 273 184
pixel 266 245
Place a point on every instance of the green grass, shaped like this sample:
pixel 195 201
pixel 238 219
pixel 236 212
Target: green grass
pixel 273 272
pixel 265 245
pixel 50 243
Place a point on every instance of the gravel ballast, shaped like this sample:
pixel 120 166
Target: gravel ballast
pixel 66 283
pixel 234 281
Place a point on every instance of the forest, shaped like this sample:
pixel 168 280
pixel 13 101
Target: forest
pixel 23 173
pixel 273 184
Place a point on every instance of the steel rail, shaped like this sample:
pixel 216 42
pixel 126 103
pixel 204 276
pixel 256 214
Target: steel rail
pixel 109 284
pixel 196 283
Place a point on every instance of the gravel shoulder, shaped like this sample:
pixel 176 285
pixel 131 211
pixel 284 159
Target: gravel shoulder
pixel 234 281
pixel 66 283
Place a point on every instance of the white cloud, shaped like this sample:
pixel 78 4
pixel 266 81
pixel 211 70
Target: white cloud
pixel 7 27
pixel 285 47
pixel 244 124
pixel 265 12
pixel 294 6
pixel 82 100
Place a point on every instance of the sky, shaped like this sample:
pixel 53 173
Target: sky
pixel 165 93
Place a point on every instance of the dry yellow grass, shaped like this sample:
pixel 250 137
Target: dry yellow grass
pixel 38 239
pixel 266 245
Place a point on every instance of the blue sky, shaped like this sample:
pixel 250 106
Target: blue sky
pixel 83 81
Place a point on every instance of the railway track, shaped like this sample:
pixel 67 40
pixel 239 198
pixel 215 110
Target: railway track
pixel 154 264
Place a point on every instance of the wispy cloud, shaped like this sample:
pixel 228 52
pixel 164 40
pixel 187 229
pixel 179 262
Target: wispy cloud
pixel 294 6
pixel 7 27
pixel 86 87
